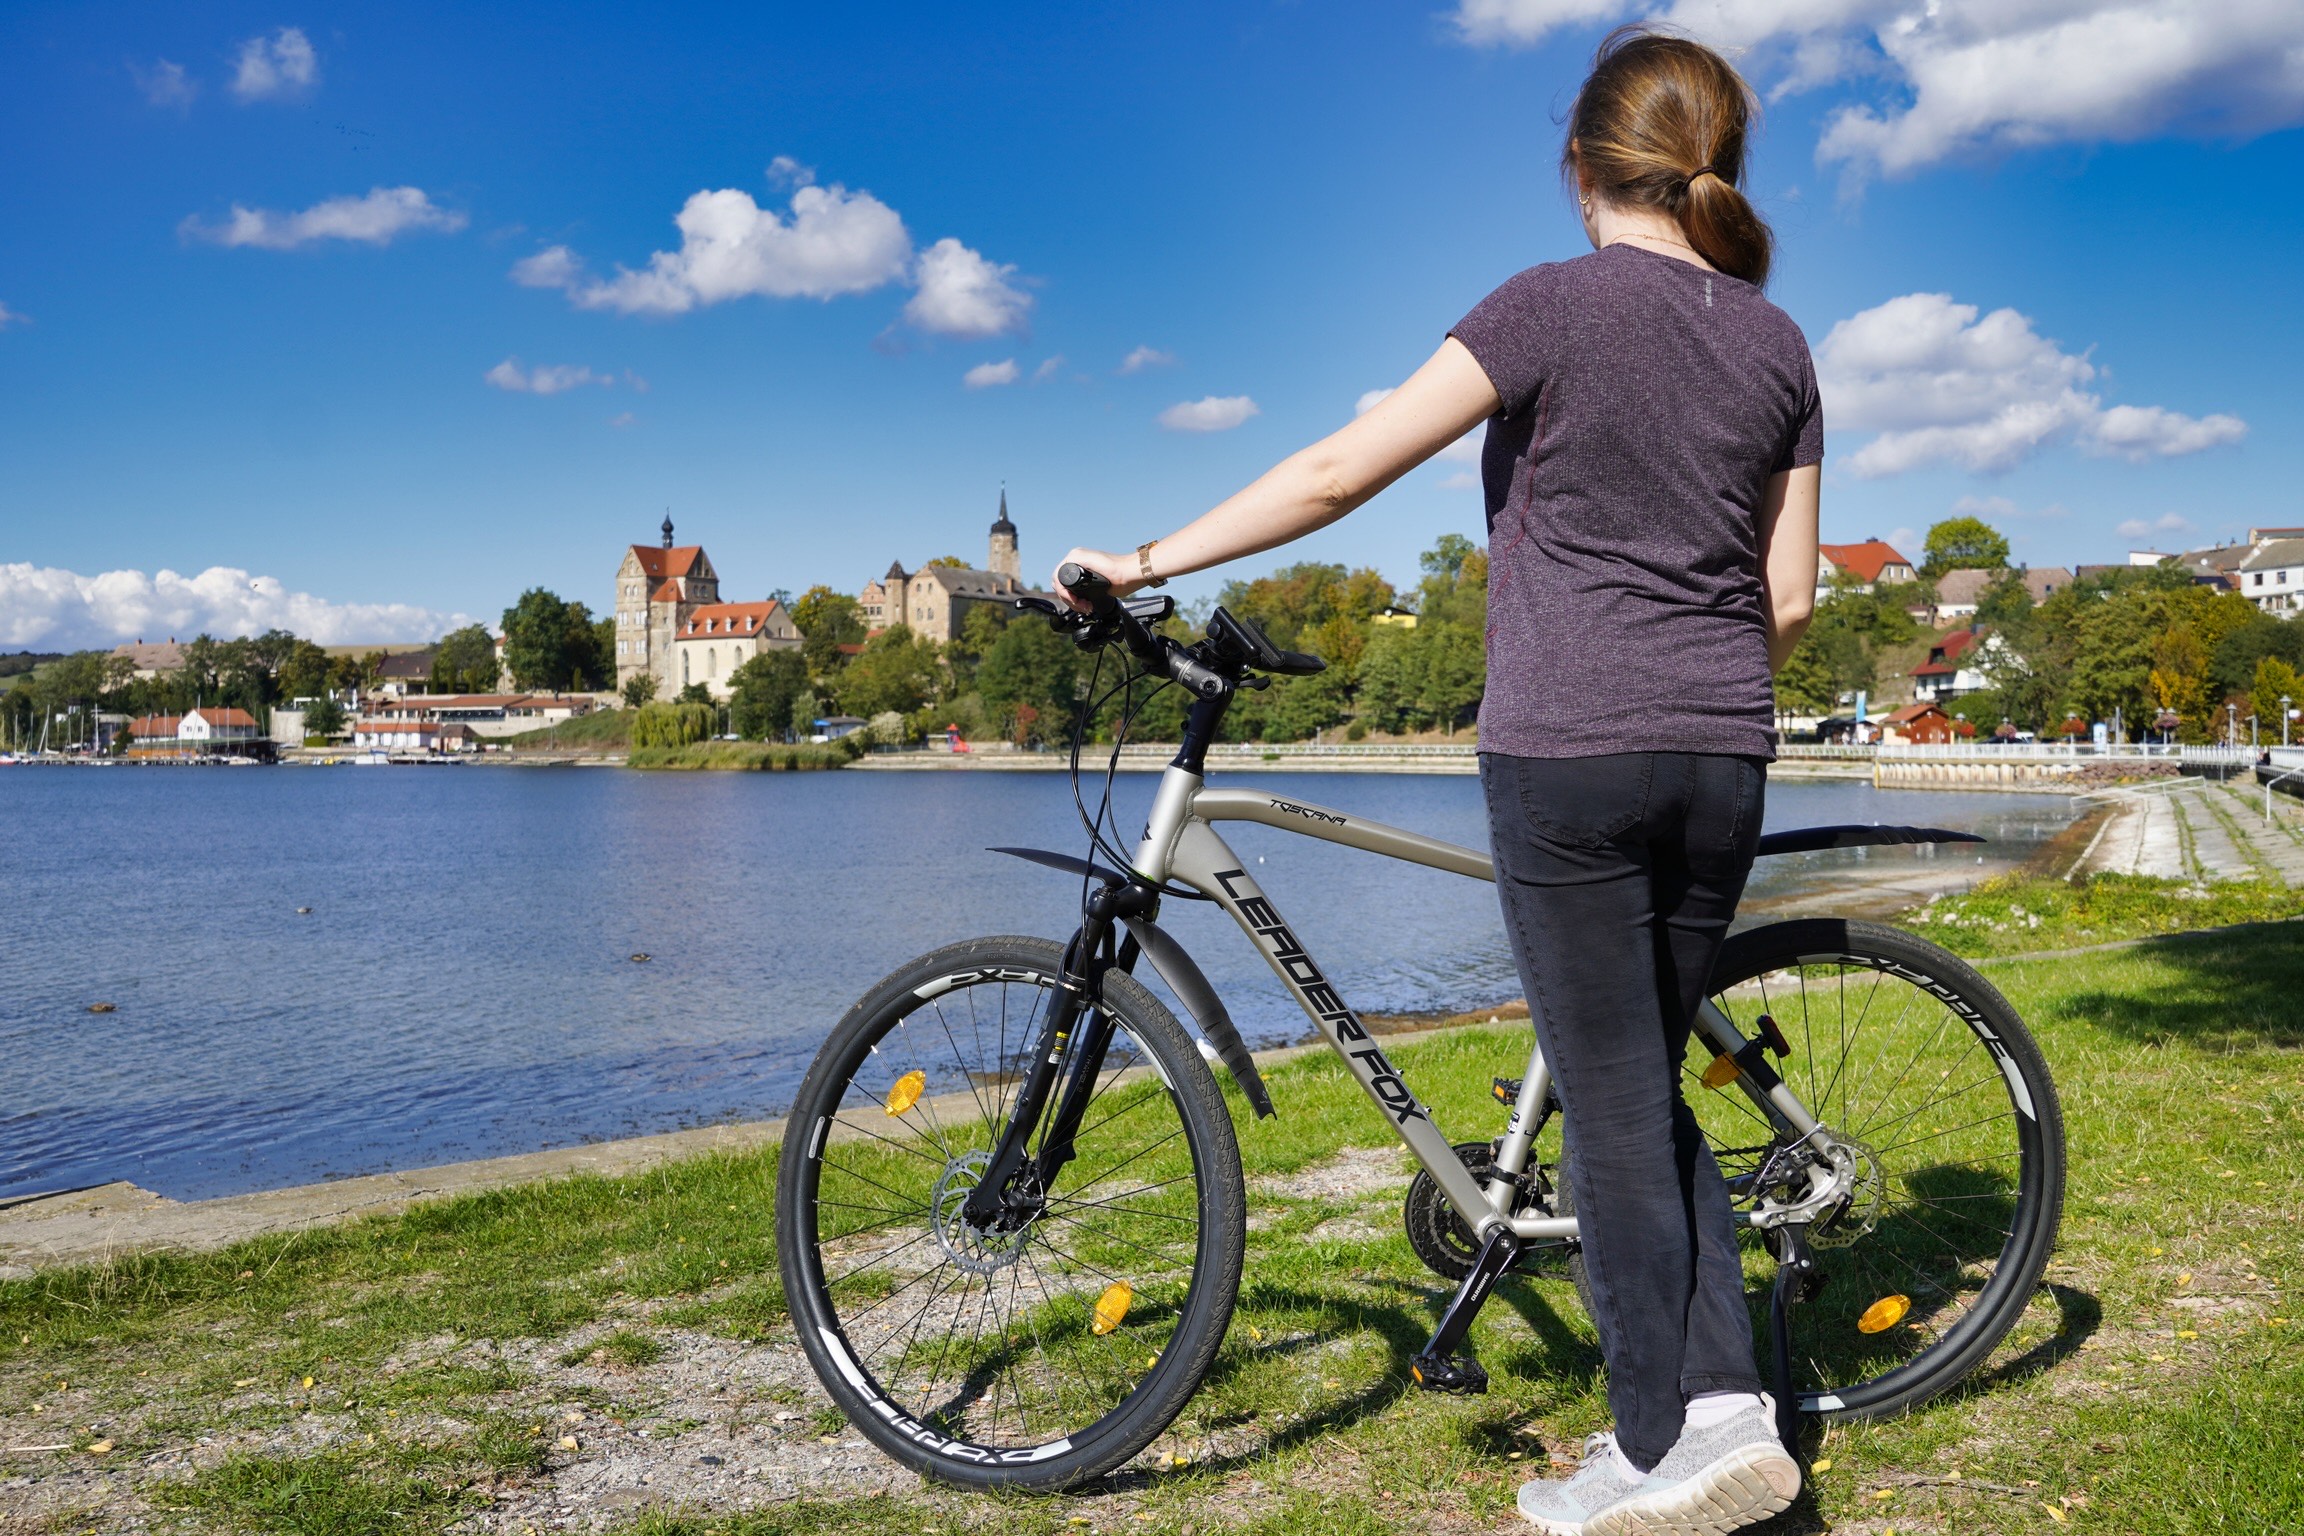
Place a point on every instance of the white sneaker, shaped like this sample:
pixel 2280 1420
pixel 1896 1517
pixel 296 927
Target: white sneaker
pixel 1715 1480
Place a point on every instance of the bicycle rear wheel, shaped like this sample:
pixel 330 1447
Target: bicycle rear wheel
pixel 1048 1353
pixel 1918 1065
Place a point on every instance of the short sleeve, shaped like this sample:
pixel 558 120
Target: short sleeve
pixel 1804 439
pixel 1509 334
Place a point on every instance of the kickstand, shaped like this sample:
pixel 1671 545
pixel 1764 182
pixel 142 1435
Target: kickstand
pixel 1439 1368
pixel 1796 1281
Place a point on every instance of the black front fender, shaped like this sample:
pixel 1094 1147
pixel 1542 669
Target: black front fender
pixel 1185 979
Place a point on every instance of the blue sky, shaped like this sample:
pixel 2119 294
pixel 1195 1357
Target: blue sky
pixel 268 271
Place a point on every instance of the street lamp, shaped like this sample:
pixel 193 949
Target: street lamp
pixel 2231 725
pixel 2283 720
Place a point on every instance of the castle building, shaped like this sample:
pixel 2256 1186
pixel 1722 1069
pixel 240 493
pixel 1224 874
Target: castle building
pixel 658 591
pixel 720 637
pixel 934 601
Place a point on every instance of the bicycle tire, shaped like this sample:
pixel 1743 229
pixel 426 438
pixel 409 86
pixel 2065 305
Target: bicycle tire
pixel 2021 1170
pixel 953 1444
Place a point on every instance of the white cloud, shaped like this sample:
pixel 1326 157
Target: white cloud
pixel 59 609
pixel 280 65
pixel 1047 369
pixel 555 266
pixel 962 294
pixel 622 419
pixel 1216 413
pixel 1465 450
pixel 543 380
pixel 2140 432
pixel 1947 76
pixel 987 375
pixel 1146 357
pixel 833 242
pixel 828 242
pixel 376 219
pixel 164 83
pixel 9 317
pixel 2166 522
pixel 1937 382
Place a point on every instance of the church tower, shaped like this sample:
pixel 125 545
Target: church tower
pixel 1003 560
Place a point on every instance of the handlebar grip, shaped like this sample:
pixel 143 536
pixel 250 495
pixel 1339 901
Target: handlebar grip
pixel 1087 585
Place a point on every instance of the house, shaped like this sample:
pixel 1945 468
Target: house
pixel 1393 613
pixel 720 637
pixel 1958 592
pixel 1922 724
pixel 150 661
pixel 395 736
pixel 481 714
pixel 935 600
pixel 1955 665
pixel 839 726
pixel 657 591
pixel 210 732
pixel 406 672
pixel 2272 575
pixel 1863 564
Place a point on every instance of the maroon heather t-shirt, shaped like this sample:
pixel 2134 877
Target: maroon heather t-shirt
pixel 1647 402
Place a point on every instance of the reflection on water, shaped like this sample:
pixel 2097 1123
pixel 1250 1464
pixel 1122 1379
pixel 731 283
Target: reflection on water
pixel 464 984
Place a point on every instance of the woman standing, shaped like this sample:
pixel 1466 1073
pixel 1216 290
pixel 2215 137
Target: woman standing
pixel 1651 472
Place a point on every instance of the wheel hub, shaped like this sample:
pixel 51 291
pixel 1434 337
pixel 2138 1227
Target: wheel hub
pixel 978 1250
pixel 1837 1190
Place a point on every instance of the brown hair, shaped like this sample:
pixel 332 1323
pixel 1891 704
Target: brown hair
pixel 1660 123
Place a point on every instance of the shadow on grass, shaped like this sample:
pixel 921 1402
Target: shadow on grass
pixel 2231 990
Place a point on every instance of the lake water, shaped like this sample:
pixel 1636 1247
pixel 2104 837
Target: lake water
pixel 463 986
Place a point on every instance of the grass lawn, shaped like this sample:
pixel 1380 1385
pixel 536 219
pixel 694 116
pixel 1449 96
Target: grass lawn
pixel 499 1361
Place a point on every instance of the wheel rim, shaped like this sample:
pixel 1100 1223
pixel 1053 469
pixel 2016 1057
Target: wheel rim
pixel 1943 1146
pixel 1007 1345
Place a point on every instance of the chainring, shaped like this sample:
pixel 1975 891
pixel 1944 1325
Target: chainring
pixel 1446 1245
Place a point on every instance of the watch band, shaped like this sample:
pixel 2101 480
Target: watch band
pixel 1144 564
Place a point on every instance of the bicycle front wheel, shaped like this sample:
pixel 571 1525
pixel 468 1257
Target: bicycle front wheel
pixel 1037 1352
pixel 1921 1071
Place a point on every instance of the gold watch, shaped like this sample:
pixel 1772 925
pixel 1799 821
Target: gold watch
pixel 1144 564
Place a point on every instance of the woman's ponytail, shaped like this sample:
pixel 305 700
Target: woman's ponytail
pixel 1661 123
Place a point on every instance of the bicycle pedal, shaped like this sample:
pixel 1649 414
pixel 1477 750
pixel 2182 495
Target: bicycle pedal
pixel 1459 1374
pixel 1504 1090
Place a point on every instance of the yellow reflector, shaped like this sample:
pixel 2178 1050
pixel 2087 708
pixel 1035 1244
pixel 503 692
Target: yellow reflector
pixel 1111 1308
pixel 1884 1314
pixel 907 1091
pixel 1722 1072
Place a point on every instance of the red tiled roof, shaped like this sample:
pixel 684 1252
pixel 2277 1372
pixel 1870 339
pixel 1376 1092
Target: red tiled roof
pixel 659 562
pixel 227 717
pixel 1862 561
pixel 1912 712
pixel 155 725
pixel 728 619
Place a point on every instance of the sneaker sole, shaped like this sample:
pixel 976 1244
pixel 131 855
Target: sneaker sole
pixel 1747 1485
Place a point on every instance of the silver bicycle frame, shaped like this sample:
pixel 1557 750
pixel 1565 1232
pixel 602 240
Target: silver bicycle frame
pixel 1180 844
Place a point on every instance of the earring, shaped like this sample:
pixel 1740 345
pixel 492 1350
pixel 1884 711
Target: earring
pixel 1585 203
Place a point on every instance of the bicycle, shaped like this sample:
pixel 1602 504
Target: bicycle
pixel 1010 1212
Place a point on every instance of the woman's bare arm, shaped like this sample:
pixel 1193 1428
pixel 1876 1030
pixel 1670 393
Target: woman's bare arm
pixel 1788 558
pixel 1441 401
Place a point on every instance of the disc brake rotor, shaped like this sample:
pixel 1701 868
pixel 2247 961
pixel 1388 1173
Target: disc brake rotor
pixel 975 1250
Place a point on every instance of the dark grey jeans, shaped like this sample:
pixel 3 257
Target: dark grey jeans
pixel 1618 877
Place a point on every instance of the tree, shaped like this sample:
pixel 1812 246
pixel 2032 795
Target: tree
pixel 953 562
pixel 2004 601
pixel 1964 544
pixel 827 620
pixel 639 689
pixel 324 717
pixel 465 661
pixel 671 725
pixel 1027 679
pixel 693 693
pixel 552 644
pixel 897 670
pixel 763 691
pixel 2274 680
pixel 1804 685
pixel 305 671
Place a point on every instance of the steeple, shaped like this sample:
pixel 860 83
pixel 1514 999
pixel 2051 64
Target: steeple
pixel 1002 557
pixel 667 528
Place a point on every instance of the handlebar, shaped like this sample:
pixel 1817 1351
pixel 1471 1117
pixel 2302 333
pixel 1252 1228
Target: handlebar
pixel 1109 618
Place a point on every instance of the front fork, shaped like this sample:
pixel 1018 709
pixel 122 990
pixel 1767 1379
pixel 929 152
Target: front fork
pixel 1067 1059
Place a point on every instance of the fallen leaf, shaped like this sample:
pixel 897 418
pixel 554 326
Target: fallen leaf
pixel 245 1381
pixel 307 1383
pixel 2056 1514
pixel 567 1442
pixel 1821 1464
pixel 2187 1333
pixel 99 1447
pixel 1885 1493
pixel 2184 1278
